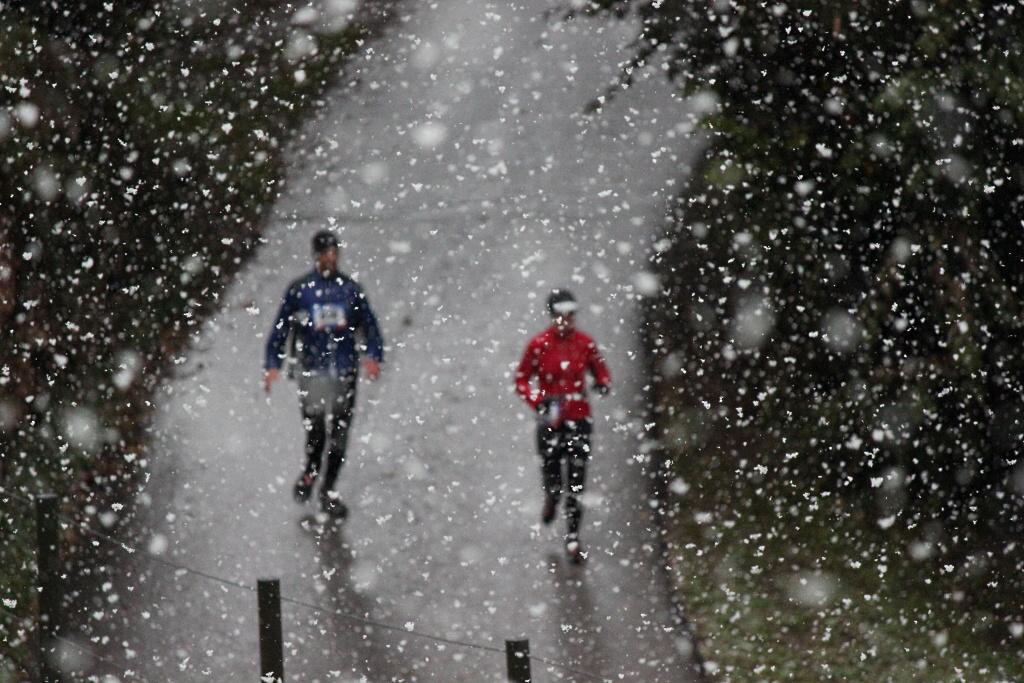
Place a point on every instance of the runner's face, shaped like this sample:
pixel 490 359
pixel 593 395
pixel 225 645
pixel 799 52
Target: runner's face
pixel 564 322
pixel 327 261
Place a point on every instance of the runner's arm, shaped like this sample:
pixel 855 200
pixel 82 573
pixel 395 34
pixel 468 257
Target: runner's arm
pixel 278 337
pixel 524 373
pixel 599 369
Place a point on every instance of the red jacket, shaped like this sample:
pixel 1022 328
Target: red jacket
pixel 560 366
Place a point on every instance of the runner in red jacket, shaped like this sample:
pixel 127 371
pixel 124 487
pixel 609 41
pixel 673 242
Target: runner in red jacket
pixel 559 358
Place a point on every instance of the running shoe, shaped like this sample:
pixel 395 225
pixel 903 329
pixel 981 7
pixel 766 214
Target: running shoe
pixel 332 505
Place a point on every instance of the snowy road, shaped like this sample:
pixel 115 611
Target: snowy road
pixel 464 184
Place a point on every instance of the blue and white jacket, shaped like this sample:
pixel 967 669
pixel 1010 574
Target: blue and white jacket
pixel 324 314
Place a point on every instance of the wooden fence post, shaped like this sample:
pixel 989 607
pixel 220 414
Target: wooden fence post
pixel 517 658
pixel 271 643
pixel 48 563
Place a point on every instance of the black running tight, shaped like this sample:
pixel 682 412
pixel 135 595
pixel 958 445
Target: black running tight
pixel 564 451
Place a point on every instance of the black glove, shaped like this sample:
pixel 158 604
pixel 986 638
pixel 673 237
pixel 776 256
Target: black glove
pixel 601 389
pixel 544 407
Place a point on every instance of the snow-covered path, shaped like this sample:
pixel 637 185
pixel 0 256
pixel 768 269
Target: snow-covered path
pixel 465 184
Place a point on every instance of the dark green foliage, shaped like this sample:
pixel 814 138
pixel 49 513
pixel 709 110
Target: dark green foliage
pixel 847 268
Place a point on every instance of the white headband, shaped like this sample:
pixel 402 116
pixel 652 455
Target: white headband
pixel 564 307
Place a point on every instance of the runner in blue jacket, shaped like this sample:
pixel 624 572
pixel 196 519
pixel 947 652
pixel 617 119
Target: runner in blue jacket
pixel 324 318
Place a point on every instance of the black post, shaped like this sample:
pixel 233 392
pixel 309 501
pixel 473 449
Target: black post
pixel 517 657
pixel 48 561
pixel 271 642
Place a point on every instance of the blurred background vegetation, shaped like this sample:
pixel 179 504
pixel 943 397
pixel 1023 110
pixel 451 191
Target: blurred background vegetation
pixel 838 348
pixel 141 147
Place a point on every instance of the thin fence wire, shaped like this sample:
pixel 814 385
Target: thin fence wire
pixel 9 613
pixel 338 613
pixel 16 496
pixel 441 639
pixel 83 527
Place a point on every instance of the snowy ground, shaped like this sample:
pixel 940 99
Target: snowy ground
pixel 464 183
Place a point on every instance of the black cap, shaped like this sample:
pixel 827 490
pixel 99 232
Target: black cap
pixel 324 240
pixel 561 302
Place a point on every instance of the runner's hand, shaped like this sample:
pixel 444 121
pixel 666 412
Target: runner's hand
pixel 371 368
pixel 269 377
pixel 601 389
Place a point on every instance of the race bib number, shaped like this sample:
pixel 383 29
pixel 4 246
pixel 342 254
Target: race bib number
pixel 329 317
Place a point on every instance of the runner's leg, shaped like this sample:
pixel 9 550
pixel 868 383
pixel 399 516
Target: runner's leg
pixel 314 419
pixel 577 454
pixel 342 409
pixel 548 446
